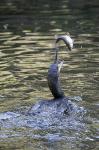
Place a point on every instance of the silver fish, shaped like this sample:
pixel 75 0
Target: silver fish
pixel 67 40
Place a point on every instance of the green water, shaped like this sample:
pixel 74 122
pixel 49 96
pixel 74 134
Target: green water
pixel 27 31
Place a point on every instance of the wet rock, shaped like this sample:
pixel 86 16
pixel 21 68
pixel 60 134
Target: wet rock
pixel 61 106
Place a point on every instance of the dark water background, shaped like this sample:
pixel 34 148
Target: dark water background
pixel 27 30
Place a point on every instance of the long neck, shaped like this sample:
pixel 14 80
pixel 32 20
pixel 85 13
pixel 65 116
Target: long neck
pixel 56 56
pixel 56 49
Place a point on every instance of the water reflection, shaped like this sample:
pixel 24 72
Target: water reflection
pixel 26 51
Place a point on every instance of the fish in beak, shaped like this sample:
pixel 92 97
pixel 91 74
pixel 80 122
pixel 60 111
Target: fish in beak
pixel 66 39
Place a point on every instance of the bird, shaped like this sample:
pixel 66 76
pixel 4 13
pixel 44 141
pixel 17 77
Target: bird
pixel 55 67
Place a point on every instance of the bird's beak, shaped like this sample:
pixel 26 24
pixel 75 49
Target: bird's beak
pixel 60 64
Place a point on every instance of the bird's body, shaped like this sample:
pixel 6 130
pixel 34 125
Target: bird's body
pixel 54 82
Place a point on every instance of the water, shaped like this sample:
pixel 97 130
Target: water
pixel 26 51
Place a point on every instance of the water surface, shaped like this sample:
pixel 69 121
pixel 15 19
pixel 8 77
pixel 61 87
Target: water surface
pixel 26 51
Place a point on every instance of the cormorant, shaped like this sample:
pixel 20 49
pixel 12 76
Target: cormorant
pixel 54 70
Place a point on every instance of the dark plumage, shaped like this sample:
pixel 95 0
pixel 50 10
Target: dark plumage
pixel 54 82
